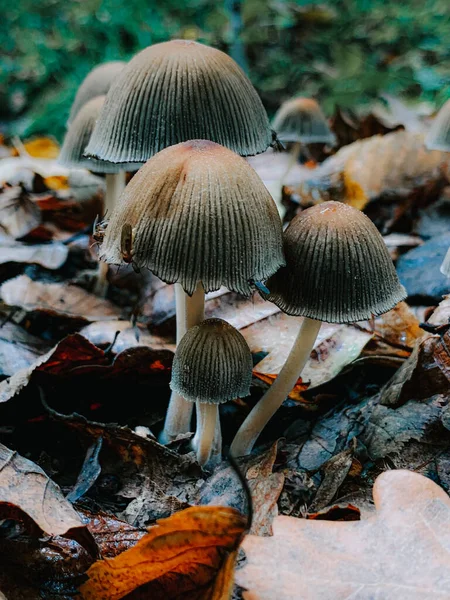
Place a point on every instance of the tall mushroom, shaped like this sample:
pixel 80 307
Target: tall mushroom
pixel 212 365
pixel 72 155
pixel 338 270
pixel 200 216
pixel 178 91
pixel 96 83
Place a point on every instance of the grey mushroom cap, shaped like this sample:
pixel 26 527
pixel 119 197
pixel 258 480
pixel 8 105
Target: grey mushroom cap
pixel 338 268
pixel 96 83
pixel 302 120
pixel 199 213
pixel 177 91
pixel 77 138
pixel 212 364
pixel 438 137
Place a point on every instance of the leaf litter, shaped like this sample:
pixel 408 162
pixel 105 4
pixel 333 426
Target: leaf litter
pixel 373 400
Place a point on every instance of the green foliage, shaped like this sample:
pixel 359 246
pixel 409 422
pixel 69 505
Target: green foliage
pixel 344 52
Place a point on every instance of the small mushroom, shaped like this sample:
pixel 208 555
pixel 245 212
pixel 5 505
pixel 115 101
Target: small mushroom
pixel 96 83
pixel 72 155
pixel 201 217
pixel 338 270
pixel 212 365
pixel 178 91
pixel 438 137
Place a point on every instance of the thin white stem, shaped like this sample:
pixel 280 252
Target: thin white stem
pixel 261 414
pixel 208 414
pixel 115 184
pixel 216 450
pixel 190 311
pixel 293 158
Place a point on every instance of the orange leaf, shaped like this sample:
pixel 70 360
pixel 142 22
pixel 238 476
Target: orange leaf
pixel 42 147
pixel 57 182
pixel 354 193
pixel 295 394
pixel 194 549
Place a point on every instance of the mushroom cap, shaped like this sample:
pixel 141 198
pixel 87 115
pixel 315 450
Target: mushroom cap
pixel 302 120
pixel 199 212
pixel 338 268
pixel 178 91
pixel 438 137
pixel 212 364
pixel 77 138
pixel 96 83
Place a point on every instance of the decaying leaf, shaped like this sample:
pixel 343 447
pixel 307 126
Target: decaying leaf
pixel 18 213
pixel 25 486
pixel 399 554
pixel 50 256
pixel 189 555
pixel 335 471
pixel 57 298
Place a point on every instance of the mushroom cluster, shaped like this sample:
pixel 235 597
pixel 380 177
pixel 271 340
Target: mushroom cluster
pixel 197 215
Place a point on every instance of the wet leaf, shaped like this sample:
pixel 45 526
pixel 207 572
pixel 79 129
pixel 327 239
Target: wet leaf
pixel 50 256
pixel 400 553
pixel 25 486
pixel 189 555
pixel 56 298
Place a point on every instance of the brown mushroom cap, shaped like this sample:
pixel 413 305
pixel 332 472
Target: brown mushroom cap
pixel 96 83
pixel 338 268
pixel 174 92
pixel 302 120
pixel 77 138
pixel 212 364
pixel 199 212
pixel 438 138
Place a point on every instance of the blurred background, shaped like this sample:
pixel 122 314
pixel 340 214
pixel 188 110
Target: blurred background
pixel 345 53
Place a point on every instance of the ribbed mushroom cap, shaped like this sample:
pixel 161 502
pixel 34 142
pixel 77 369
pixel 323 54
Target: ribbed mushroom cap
pixel 212 363
pixel 438 138
pixel 77 138
pixel 199 212
pixel 338 268
pixel 302 120
pixel 174 92
pixel 96 83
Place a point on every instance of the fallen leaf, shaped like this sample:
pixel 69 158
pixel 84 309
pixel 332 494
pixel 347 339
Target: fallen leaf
pixel 190 555
pixel 41 147
pixel 399 554
pixel 50 256
pixel 25 486
pixel 56 298
pixel 124 336
pixel 18 213
pixel 335 471
pixel 57 182
pixel 18 348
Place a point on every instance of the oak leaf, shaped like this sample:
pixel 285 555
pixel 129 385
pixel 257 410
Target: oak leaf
pixel 189 555
pixel 402 553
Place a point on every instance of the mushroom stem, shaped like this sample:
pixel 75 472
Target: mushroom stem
pixel 115 184
pixel 261 414
pixel 207 426
pixel 190 311
pixel 293 158
pixel 216 449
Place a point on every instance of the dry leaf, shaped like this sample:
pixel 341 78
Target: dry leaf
pixel 18 213
pixel 18 348
pixel 41 147
pixel 25 486
pixel 56 298
pixel 183 556
pixel 50 256
pixel 124 336
pixel 402 553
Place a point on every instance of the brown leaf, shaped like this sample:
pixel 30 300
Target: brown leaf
pixel 335 471
pixel 56 298
pixel 189 555
pixel 25 486
pixel 399 554
pixel 50 256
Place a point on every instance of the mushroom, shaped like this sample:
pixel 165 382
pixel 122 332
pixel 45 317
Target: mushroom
pixel 212 365
pixel 71 155
pixel 338 270
pixel 300 121
pixel 178 91
pixel 200 216
pixel 96 83
pixel 438 137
